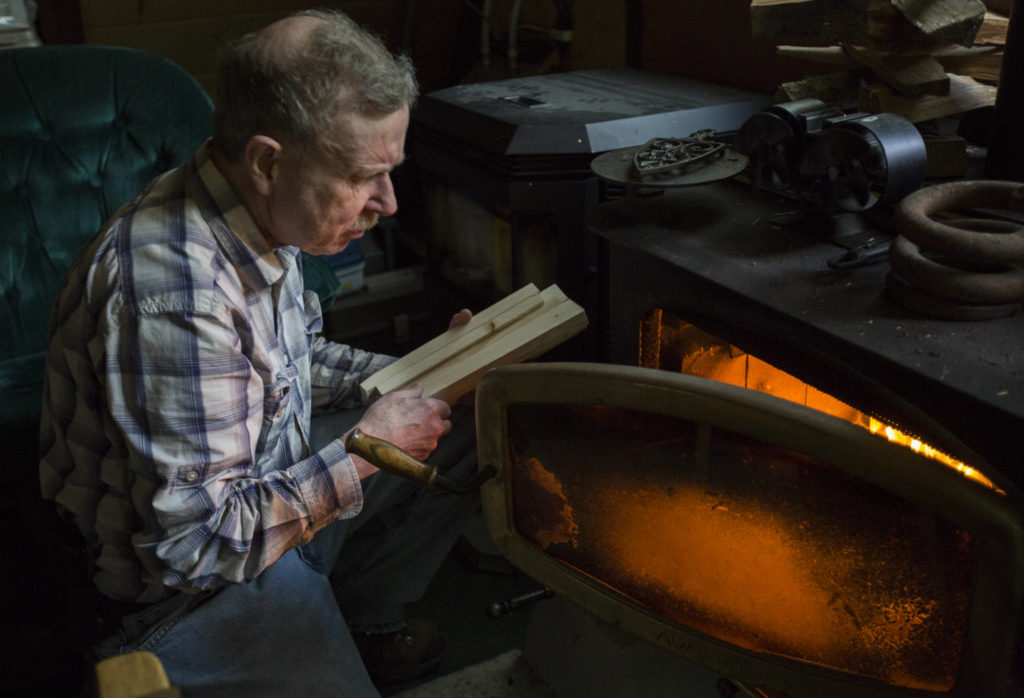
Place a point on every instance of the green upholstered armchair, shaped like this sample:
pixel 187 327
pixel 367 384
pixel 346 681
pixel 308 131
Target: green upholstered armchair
pixel 82 129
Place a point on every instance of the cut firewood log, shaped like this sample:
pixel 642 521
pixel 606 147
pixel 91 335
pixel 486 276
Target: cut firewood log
pixel 770 19
pixel 944 21
pixel 873 23
pixel 883 24
pixel 965 94
pixel 840 90
pixel 983 67
pixel 1002 7
pixel 993 30
pixel 455 365
pixel 908 75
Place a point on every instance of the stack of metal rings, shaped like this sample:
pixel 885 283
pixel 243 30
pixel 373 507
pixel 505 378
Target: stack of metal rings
pixel 951 265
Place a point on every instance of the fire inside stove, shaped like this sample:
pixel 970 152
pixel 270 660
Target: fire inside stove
pixel 668 342
pixel 754 545
pixel 748 542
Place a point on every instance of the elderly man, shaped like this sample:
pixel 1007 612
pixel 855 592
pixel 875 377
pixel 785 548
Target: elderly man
pixel 232 533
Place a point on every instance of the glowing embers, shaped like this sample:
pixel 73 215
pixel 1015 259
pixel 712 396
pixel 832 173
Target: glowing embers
pixel 743 541
pixel 917 446
pixel 667 342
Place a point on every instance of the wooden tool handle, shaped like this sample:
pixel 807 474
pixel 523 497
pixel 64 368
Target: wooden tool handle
pixel 387 456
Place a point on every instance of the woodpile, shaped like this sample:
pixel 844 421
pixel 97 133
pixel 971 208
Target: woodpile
pixel 921 59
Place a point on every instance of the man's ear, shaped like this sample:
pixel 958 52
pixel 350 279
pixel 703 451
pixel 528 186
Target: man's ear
pixel 262 155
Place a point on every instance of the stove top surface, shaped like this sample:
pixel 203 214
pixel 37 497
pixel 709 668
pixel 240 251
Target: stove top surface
pixel 587 111
pixel 779 280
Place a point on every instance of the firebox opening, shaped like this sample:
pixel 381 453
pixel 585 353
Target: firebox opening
pixel 746 541
pixel 668 342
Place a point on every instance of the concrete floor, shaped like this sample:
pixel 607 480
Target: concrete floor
pixel 458 600
pixel 550 649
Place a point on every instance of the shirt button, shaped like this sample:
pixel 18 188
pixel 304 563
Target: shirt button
pixel 191 475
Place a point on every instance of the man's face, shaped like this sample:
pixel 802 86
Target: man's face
pixel 320 206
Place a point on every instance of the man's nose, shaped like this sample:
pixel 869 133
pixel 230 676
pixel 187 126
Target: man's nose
pixel 383 200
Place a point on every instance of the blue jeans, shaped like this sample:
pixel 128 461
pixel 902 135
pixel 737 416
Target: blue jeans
pixel 285 633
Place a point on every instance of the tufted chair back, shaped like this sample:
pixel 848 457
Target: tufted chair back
pixel 82 129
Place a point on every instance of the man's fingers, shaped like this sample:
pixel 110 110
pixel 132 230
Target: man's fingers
pixel 460 318
pixel 443 409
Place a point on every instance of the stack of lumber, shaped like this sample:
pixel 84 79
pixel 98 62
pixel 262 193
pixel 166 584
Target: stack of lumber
pixel 922 59
pixel 520 327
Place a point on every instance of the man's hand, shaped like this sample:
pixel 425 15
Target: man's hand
pixel 406 419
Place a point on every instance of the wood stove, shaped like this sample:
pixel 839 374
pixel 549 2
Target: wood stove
pixel 747 518
pixel 700 282
pixel 764 540
pixel 781 539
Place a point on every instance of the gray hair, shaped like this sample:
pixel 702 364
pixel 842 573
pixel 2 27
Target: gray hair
pixel 295 93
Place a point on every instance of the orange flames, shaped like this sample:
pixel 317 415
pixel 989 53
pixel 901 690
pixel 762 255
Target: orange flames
pixel 665 338
pixel 917 446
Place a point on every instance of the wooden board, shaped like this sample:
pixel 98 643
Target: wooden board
pixel 452 342
pixel 511 336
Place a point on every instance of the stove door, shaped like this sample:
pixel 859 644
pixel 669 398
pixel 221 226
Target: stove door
pixel 760 538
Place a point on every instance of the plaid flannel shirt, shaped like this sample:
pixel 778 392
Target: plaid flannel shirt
pixel 183 369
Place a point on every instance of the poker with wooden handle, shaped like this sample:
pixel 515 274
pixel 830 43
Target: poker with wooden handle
pixel 390 458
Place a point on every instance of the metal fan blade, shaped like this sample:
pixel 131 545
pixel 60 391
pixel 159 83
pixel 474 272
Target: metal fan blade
pixel 833 148
pixel 767 140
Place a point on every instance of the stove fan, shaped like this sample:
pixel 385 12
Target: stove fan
pixel 775 139
pixel 844 167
